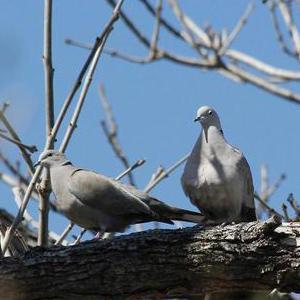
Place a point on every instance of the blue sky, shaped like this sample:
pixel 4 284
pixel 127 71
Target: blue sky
pixel 154 104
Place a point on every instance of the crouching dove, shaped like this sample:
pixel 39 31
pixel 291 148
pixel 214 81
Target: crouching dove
pixel 217 177
pixel 102 204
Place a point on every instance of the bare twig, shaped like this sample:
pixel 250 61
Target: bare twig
pixel 288 19
pixel 64 234
pixel 191 28
pixel 13 169
pixel 111 133
pixel 139 163
pixel 167 25
pixel 270 210
pixel 32 149
pixel 87 82
pixel 9 233
pixel 21 146
pixel 154 176
pixel 77 240
pixel 263 182
pixel 78 81
pixel 294 204
pixel 155 34
pixel 277 29
pixel 130 25
pixel 273 188
pixel 240 24
pixel 189 23
pixel 263 84
pixel 284 209
pixel 166 173
pixel 267 191
pixel 5 107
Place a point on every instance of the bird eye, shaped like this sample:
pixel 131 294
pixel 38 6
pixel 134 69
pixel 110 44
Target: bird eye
pixel 210 112
pixel 50 154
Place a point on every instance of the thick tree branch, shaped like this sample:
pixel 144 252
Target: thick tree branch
pixel 160 263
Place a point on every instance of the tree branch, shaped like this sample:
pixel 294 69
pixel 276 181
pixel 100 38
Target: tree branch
pixel 257 256
pixel 22 147
pixel 111 132
pixel 45 185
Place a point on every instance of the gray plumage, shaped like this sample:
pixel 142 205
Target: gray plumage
pixel 98 203
pixel 217 178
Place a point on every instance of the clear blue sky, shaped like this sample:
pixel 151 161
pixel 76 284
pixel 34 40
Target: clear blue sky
pixel 154 105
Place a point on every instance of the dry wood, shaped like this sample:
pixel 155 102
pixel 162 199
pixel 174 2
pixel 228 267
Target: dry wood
pixel 255 256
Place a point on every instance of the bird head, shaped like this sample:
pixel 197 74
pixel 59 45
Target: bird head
pixel 206 115
pixel 51 158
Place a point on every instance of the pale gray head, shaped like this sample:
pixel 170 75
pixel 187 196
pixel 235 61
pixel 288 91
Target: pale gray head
pixel 51 158
pixel 207 116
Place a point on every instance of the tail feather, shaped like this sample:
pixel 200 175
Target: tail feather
pixel 166 212
pixel 187 216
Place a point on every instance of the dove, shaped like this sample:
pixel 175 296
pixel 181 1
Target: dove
pixel 217 178
pixel 102 204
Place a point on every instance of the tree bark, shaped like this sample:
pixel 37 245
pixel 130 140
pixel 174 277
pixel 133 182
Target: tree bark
pixel 256 256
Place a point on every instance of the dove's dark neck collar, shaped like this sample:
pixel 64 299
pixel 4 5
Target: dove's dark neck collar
pixel 66 163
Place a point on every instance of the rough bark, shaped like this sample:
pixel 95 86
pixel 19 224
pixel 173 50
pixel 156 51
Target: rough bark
pixel 255 256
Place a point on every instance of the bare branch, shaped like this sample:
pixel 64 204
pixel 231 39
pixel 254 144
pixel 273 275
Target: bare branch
pixel 77 240
pixel 13 169
pixel 284 209
pixel 163 21
pixel 287 17
pixel 277 29
pixel 49 106
pixel 240 24
pixel 22 147
pixel 139 163
pixel 273 188
pixel 9 233
pixel 5 106
pixel 111 133
pixel 189 23
pixel 96 54
pixel 208 41
pixel 32 149
pixel 261 66
pixel 155 34
pixel 88 79
pixel 64 234
pixel 263 84
pixel 48 68
pixel 270 210
pixel 294 205
pixel 78 81
pixel 166 173
pixel 130 25
pixel 154 176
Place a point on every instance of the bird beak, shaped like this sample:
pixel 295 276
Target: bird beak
pixel 37 164
pixel 197 119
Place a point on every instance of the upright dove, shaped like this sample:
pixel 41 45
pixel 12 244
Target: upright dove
pixel 102 204
pixel 217 178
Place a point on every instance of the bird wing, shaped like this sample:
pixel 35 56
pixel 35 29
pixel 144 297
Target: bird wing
pixel 102 193
pixel 243 168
